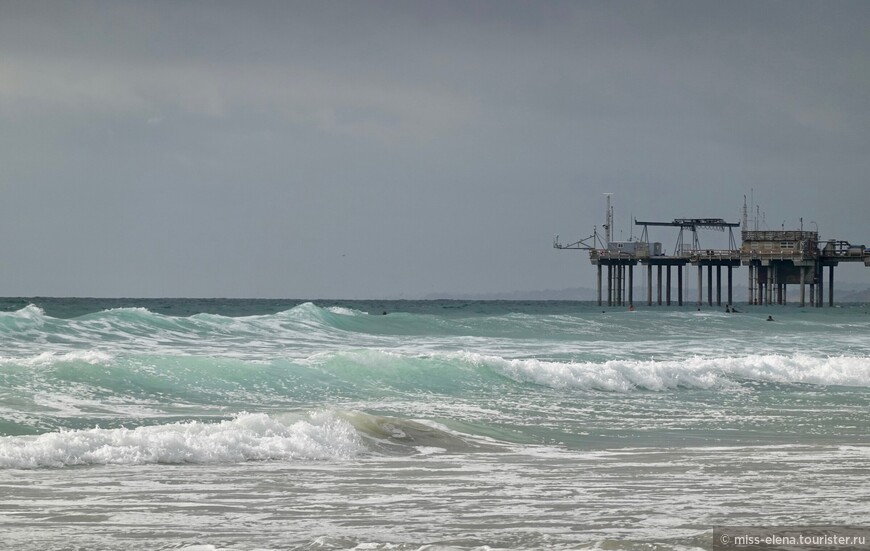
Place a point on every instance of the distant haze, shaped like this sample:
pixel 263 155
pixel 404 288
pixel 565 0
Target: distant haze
pixel 400 149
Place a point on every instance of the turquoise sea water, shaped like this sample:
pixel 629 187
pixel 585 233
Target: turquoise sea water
pixel 257 424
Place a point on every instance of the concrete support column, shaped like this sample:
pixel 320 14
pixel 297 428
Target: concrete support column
pixel 668 285
pixel 619 284
pixel 610 285
pixel 774 294
pixel 710 285
pixel 759 286
pixel 614 285
pixel 622 280
pixel 750 293
pixel 762 273
pixel 768 288
pixel 762 285
pixel 803 285
pixel 718 285
pixel 831 285
pixel 631 284
pixel 700 285
pixel 730 287
pixel 813 295
pixel 679 285
pixel 649 284
pixel 659 285
pixel 821 279
pixel 598 285
pixel 615 300
pixel 619 278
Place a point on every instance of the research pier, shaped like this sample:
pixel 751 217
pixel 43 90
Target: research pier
pixel 775 259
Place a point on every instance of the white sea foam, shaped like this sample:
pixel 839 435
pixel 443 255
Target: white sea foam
pixel 93 357
pixel 694 372
pixel 29 312
pixel 244 438
pixel 345 311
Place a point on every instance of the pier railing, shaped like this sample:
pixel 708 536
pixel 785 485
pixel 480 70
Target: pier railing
pixel 714 255
pixel 779 254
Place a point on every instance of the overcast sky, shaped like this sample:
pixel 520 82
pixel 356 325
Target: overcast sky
pixel 396 149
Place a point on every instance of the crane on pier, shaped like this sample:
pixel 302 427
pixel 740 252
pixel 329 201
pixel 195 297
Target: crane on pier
pixel 592 242
pixel 586 244
pixel 693 225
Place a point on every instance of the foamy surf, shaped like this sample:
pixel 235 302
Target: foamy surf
pixel 440 425
pixel 324 435
pixel 694 372
pixel 91 357
pixel 247 437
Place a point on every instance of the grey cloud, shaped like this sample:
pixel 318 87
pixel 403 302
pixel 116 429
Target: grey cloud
pixel 400 148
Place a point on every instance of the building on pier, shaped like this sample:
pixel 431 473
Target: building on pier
pixel 777 259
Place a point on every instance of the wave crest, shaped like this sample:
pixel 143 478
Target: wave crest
pixel 247 437
pixel 695 372
pixel 25 318
pixel 92 357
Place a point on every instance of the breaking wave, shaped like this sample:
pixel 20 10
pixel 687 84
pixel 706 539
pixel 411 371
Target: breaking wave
pixel 322 435
pixel 362 374
pixel 695 372
pixel 247 437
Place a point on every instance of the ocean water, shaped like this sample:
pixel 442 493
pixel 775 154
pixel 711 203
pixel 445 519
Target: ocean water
pixel 434 425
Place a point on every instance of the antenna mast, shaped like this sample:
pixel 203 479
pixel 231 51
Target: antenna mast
pixel 608 221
